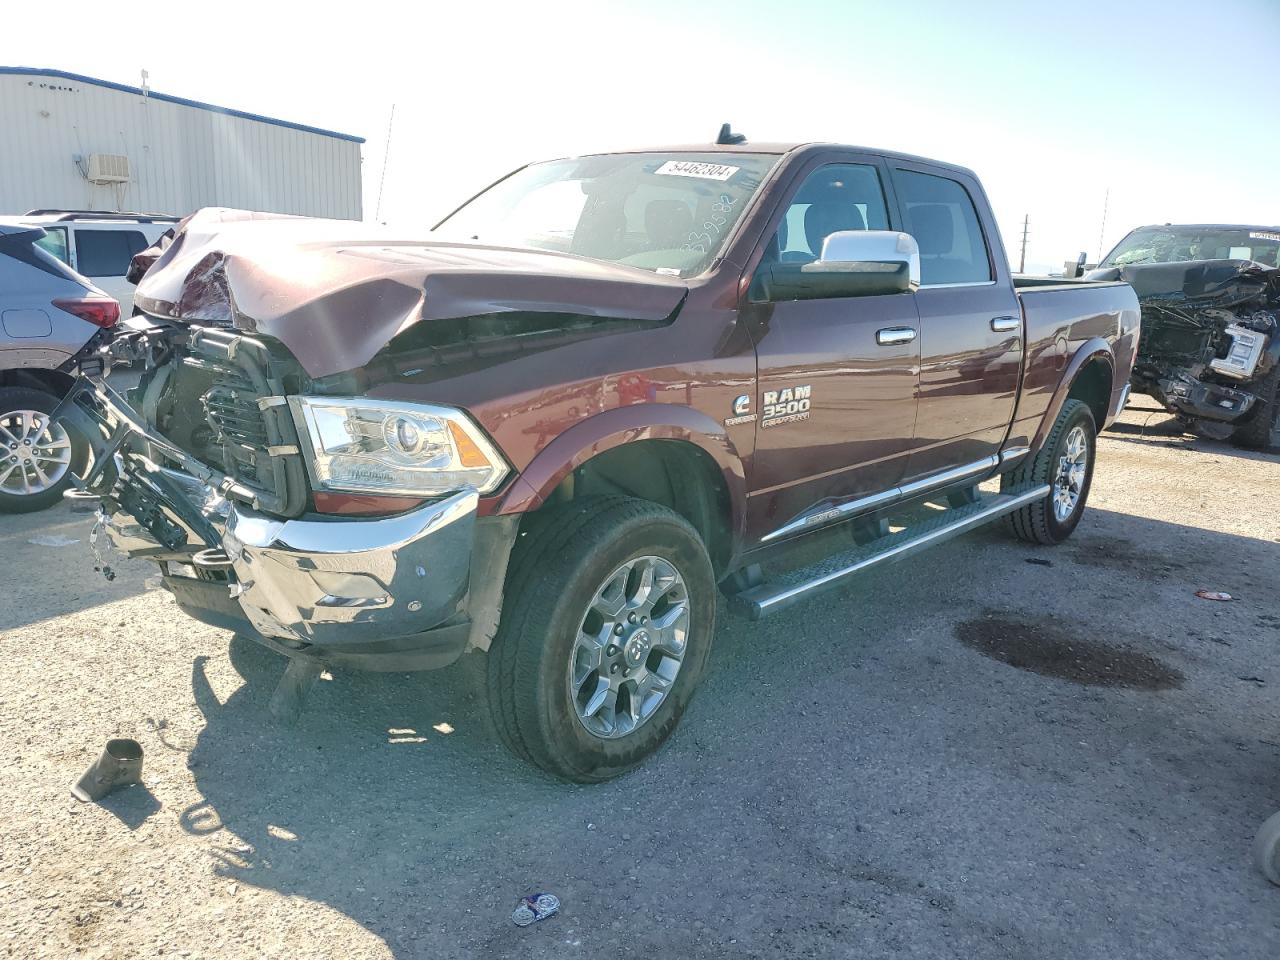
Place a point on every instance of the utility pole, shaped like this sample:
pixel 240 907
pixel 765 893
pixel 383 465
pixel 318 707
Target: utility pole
pixel 1022 261
pixel 1102 232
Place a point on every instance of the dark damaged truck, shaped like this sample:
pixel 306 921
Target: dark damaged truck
pixel 1210 345
pixel 597 391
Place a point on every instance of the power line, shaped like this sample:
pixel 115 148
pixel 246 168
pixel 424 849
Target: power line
pixel 386 153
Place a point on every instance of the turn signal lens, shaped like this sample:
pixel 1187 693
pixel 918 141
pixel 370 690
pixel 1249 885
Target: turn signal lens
pixel 469 455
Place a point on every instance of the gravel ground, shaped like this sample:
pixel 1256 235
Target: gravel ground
pixel 925 765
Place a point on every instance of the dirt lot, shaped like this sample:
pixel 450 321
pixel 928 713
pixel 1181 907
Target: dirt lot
pixel 979 754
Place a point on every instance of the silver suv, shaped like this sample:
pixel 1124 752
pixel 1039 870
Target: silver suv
pixel 50 319
pixel 100 245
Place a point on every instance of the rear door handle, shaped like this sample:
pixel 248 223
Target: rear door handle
pixel 1005 324
pixel 891 335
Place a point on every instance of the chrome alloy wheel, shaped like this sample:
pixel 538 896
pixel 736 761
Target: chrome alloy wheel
pixel 1068 480
pixel 629 647
pixel 35 453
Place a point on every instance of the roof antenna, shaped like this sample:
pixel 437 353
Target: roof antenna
pixel 728 137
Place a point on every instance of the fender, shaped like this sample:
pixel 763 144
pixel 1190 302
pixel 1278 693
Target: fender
pixel 643 421
pixel 1092 349
pixel 1270 356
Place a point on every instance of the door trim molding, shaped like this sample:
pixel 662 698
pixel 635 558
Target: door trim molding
pixel 822 516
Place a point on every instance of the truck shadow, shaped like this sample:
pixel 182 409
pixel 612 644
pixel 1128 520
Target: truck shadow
pixel 1150 425
pixel 392 803
pixel 48 568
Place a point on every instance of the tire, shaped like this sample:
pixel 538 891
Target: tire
pixel 15 448
pixel 568 563
pixel 1257 432
pixel 1040 522
pixel 1266 849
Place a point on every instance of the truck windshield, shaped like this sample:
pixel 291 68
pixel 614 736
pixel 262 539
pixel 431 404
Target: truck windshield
pixel 666 212
pixel 1174 244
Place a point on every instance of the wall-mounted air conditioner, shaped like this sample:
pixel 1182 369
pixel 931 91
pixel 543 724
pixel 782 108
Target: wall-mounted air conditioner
pixel 108 168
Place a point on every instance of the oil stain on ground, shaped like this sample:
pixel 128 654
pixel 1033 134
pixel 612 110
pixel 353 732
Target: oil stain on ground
pixel 1047 648
pixel 1124 556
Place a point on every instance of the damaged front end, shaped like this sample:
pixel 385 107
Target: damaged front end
pixel 1210 349
pixel 199 469
pixel 285 498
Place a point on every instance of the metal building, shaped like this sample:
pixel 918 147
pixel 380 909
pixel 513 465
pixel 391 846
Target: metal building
pixel 73 142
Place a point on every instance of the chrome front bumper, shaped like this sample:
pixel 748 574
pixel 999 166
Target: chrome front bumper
pixel 338 582
pixel 347 582
pixel 333 587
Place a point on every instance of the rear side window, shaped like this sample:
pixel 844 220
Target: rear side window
pixel 55 242
pixel 26 250
pixel 941 216
pixel 106 253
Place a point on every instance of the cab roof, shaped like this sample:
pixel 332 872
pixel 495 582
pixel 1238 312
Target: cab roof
pixel 799 150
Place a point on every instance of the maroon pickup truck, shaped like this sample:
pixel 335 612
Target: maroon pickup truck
pixel 595 392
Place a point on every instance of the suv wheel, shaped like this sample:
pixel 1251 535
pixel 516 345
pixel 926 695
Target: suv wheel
pixel 1065 462
pixel 606 628
pixel 36 456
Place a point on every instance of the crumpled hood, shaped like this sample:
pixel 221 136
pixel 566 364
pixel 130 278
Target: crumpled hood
pixel 334 292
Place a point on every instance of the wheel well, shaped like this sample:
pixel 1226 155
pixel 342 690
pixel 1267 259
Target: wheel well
pixel 1093 385
pixel 674 473
pixel 51 381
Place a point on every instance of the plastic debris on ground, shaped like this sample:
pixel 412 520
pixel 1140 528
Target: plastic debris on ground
pixel 1214 595
pixel 119 766
pixel 535 907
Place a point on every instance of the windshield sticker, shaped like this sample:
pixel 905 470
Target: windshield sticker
pixel 667 271
pixel 691 168
pixel 1273 237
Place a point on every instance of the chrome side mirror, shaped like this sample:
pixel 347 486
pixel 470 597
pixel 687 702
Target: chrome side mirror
pixel 844 248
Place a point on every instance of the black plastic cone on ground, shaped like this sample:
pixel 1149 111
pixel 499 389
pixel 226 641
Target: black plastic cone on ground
pixel 119 766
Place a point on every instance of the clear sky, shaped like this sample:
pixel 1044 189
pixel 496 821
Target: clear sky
pixel 1171 105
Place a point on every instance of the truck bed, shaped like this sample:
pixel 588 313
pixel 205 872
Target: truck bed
pixel 1061 317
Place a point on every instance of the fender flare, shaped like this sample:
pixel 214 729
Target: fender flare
pixel 604 431
pixel 1095 348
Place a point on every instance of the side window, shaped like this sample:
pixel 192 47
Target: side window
pixel 839 196
pixel 106 253
pixel 940 214
pixel 54 241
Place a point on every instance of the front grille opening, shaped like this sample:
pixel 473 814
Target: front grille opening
pixel 230 430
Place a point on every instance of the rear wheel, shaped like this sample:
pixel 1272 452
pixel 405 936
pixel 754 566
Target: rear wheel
pixel 605 632
pixel 36 455
pixel 1065 463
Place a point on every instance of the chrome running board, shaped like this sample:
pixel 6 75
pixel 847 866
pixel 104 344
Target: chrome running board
pixel 796 585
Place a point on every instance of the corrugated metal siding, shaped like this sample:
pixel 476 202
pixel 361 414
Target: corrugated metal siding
pixel 181 157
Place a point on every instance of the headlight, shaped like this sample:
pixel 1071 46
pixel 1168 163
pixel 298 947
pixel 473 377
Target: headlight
pixel 414 449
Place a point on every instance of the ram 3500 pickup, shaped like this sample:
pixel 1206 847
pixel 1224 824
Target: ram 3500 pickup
pixel 599 389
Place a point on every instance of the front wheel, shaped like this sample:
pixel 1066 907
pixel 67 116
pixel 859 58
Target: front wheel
pixel 606 627
pixel 1065 463
pixel 1262 430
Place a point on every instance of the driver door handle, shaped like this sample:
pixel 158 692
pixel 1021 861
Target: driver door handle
pixel 1005 324
pixel 892 335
